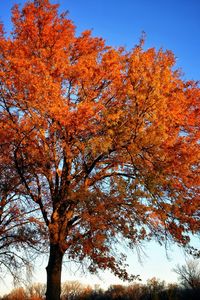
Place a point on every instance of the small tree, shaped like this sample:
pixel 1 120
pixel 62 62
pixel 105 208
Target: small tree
pixel 189 274
pixel 117 291
pixel 103 141
pixel 16 294
pixel 36 291
pixel 72 289
pixel 18 229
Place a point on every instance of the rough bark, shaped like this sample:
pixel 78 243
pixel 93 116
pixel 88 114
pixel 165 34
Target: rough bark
pixel 54 269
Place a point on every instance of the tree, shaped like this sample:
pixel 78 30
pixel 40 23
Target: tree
pixel 74 290
pixel 17 294
pixel 36 291
pixel 189 274
pixel 18 228
pixel 155 287
pixel 117 291
pixel 104 142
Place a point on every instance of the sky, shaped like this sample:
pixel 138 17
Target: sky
pixel 171 24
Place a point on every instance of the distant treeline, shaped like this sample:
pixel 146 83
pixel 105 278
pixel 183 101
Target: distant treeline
pixel 154 289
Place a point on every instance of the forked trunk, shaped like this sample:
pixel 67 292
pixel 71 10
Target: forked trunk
pixel 54 268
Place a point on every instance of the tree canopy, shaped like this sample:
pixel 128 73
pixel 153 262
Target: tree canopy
pixel 104 141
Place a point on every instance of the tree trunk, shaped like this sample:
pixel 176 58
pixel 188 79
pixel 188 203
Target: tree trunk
pixel 54 268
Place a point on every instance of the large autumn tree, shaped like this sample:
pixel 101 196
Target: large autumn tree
pixel 105 142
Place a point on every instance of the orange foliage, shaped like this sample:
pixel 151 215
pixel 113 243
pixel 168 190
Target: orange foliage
pixel 105 141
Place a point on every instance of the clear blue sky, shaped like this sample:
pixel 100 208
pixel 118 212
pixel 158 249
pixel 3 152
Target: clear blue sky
pixel 171 24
